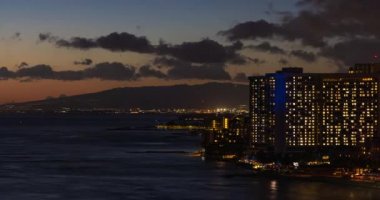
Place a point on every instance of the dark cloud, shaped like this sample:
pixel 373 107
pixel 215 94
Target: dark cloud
pixel 252 30
pixel 113 42
pixel 283 61
pixel 47 37
pixel 148 71
pixel 238 60
pixel 103 71
pixel 292 29
pixel 326 25
pixel 163 62
pixel 37 72
pixel 354 51
pixel 304 55
pixel 125 42
pixel 178 69
pixel 206 72
pixel 22 65
pixel 311 30
pixel 16 36
pixel 171 69
pixel 257 61
pixel 267 47
pixel 70 75
pixel 44 36
pixel 5 73
pixel 204 51
pixel 344 18
pixel 241 77
pixel 238 45
pixel 77 43
pixel 320 24
pixel 46 72
pixel 296 28
pixel 86 61
pixel 110 71
pixel 354 23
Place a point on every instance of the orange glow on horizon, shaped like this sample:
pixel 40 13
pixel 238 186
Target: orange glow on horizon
pixel 15 91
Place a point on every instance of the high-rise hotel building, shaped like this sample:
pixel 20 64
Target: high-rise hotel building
pixel 292 110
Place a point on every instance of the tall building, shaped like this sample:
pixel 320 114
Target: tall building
pixel 292 111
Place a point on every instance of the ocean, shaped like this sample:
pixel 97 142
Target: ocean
pixel 83 156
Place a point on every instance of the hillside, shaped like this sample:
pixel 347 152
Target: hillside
pixel 209 95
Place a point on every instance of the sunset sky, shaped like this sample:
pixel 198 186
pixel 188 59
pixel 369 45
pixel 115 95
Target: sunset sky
pixel 51 47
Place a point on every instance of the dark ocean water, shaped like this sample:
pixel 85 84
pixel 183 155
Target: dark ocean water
pixel 79 157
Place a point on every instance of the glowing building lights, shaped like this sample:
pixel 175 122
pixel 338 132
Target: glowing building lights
pixel 294 109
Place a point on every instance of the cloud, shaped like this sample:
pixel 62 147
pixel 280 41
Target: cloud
pixel 102 71
pixel 178 69
pixel 256 61
pixel 241 77
pixel 110 71
pixel 353 23
pixel 70 76
pixel 125 42
pixel 46 72
pixel 339 18
pixel 324 25
pixel 204 51
pixel 22 65
pixel 16 36
pixel 354 51
pixel 119 42
pixel 161 68
pixel 86 61
pixel 301 28
pixel 37 72
pixel 239 60
pixel 44 36
pixel 148 71
pixel 5 73
pixel 304 55
pixel 252 30
pixel 164 62
pixel 283 61
pixel 207 72
pixel 47 37
pixel 267 47
pixel 332 26
pixel 296 28
pixel 77 43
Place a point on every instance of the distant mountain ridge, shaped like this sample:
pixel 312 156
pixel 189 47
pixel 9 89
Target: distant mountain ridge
pixel 209 95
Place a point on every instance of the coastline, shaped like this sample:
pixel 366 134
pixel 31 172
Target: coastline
pixel 271 174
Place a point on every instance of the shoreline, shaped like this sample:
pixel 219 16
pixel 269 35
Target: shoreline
pixel 251 172
pixel 306 177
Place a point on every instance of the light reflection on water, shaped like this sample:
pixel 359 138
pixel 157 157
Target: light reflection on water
pixel 273 185
pixel 273 189
pixel 77 158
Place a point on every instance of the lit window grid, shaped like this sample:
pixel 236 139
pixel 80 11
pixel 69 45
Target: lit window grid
pixel 301 112
pixel 354 119
pixel 350 97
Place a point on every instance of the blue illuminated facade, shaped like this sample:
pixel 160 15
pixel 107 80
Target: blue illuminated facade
pixel 293 111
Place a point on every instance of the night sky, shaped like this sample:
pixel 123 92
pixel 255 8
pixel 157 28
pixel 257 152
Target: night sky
pixel 51 47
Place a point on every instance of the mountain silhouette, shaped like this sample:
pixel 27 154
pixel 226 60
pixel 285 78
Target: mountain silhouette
pixel 209 95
